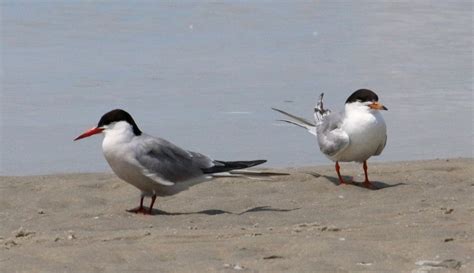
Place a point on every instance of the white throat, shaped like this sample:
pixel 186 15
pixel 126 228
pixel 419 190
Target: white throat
pixel 361 118
pixel 118 132
pixel 356 108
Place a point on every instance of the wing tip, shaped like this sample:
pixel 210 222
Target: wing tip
pixel 225 166
pixel 259 161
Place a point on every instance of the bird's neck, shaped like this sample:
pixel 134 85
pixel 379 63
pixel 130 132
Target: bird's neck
pixel 120 132
pixel 356 109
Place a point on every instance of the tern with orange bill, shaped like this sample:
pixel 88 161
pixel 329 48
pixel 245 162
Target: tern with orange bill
pixel 355 134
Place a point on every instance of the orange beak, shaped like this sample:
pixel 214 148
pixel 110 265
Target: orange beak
pixel 377 105
pixel 88 133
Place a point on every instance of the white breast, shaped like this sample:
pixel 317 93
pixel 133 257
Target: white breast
pixel 367 132
pixel 120 150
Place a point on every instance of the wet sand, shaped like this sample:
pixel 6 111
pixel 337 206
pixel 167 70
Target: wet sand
pixel 419 220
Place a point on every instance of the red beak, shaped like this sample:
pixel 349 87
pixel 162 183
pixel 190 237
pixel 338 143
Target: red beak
pixel 88 133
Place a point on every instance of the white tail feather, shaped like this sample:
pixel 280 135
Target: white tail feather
pixel 298 121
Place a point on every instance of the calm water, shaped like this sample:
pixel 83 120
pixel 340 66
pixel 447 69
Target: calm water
pixel 205 75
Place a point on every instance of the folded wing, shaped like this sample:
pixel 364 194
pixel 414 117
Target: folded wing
pixel 166 163
pixel 331 138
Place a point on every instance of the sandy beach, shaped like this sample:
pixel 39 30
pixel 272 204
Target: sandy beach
pixel 419 220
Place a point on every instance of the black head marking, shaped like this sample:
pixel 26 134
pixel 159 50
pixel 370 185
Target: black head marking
pixel 362 95
pixel 119 115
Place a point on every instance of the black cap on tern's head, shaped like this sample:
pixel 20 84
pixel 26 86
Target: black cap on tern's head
pixel 366 95
pixel 362 95
pixel 116 116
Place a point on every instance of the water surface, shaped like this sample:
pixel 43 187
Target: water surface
pixel 205 76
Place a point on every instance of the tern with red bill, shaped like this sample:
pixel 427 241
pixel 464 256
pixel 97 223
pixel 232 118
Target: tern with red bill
pixel 355 134
pixel 154 165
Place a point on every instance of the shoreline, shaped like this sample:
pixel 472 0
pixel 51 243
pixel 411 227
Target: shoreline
pixel 419 220
pixel 260 167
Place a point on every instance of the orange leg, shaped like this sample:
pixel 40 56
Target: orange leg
pixel 341 181
pixel 366 183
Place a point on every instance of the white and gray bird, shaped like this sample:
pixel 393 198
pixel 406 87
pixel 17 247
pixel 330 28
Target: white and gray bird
pixel 355 134
pixel 154 165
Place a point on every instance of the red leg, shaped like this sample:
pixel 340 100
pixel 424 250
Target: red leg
pixel 153 198
pixel 366 183
pixel 341 181
pixel 140 209
pixel 141 203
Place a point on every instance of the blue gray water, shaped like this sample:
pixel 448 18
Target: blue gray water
pixel 205 75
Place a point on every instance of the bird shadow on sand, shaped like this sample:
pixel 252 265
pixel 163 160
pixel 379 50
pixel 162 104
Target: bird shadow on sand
pixel 376 185
pixel 218 211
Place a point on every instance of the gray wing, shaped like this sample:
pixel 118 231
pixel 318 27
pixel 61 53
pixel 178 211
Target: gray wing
pixel 331 138
pixel 166 163
pixel 381 146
